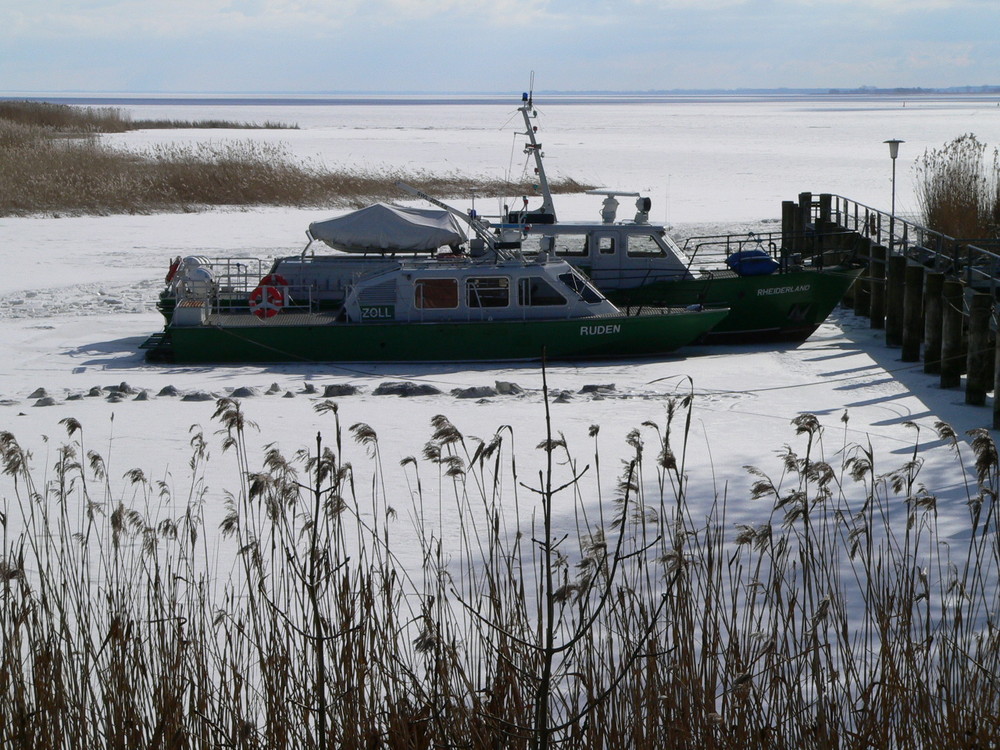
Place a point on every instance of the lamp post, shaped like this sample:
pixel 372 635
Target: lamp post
pixel 893 153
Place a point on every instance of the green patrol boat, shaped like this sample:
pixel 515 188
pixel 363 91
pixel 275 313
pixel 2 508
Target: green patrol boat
pixel 770 292
pixel 437 309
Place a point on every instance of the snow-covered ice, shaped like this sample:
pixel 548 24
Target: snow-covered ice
pixel 77 297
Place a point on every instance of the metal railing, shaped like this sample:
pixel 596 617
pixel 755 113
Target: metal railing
pixel 974 261
pixel 787 248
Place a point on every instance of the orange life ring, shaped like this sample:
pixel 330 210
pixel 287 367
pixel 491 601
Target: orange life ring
pixel 266 301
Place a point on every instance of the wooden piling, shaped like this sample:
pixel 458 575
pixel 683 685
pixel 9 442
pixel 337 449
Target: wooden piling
pixel 996 383
pixel 933 284
pixel 913 308
pixel 826 207
pixel 803 220
pixel 981 354
pixel 876 275
pixel 862 286
pixel 788 211
pixel 952 362
pixel 895 281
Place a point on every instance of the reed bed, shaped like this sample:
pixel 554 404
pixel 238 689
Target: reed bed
pixel 958 189
pixel 571 609
pixel 43 171
pixel 64 118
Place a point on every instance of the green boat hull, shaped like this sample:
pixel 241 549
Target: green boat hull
pixel 788 306
pixel 306 338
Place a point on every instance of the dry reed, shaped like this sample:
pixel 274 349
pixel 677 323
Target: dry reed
pixel 64 118
pixel 845 618
pixel 42 171
pixel 958 191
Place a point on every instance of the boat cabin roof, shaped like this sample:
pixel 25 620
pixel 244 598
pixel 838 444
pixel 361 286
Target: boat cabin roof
pixel 456 290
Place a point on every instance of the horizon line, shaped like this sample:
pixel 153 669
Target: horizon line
pixel 826 90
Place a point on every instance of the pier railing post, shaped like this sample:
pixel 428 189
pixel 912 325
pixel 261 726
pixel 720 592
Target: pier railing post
pixel 952 361
pixel 932 322
pixel 913 306
pixel 981 352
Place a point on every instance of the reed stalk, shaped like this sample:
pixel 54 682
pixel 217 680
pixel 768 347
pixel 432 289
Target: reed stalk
pixel 529 615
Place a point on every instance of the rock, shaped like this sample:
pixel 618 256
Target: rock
pixel 405 389
pixel 245 392
pixel 604 389
pixel 309 388
pixel 275 388
pixel 335 390
pixel 46 401
pixel 476 391
pixel 38 393
pixel 168 390
pixel 75 397
pixel 141 396
pixel 562 397
pixel 508 389
pixel 96 392
pixel 114 398
pixel 198 396
pixel 124 388
pixel 288 394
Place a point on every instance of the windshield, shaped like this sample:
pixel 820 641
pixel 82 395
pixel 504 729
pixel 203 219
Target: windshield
pixel 581 287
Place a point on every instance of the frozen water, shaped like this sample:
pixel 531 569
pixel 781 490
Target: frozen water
pixel 77 296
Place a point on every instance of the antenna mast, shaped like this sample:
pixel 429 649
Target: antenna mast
pixel 534 148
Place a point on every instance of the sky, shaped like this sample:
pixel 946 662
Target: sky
pixel 493 45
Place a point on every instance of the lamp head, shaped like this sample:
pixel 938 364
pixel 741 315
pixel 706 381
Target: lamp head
pixel 894 147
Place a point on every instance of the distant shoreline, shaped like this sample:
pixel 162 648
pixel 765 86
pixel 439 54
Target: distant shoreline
pixel 550 98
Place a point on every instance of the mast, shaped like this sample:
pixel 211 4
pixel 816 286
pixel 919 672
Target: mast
pixel 534 148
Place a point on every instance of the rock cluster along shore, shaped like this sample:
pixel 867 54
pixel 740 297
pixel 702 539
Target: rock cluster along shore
pixel 401 388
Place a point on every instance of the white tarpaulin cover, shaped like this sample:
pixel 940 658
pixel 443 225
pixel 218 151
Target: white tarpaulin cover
pixel 390 228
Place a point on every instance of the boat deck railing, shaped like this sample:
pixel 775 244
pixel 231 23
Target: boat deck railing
pixel 711 251
pixel 236 275
pixel 235 279
pixel 229 300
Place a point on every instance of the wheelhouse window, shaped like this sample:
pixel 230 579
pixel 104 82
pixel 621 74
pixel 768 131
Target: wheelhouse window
pixel 581 287
pixel 538 292
pixel 571 244
pixel 606 245
pixel 488 291
pixel 435 294
pixel 645 246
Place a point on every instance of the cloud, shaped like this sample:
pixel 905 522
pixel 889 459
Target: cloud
pixel 104 18
pixel 832 7
pixel 112 18
pixel 466 45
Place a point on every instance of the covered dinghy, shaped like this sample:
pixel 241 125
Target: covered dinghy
pixel 387 228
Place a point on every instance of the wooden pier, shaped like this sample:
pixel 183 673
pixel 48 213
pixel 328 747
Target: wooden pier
pixel 934 296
